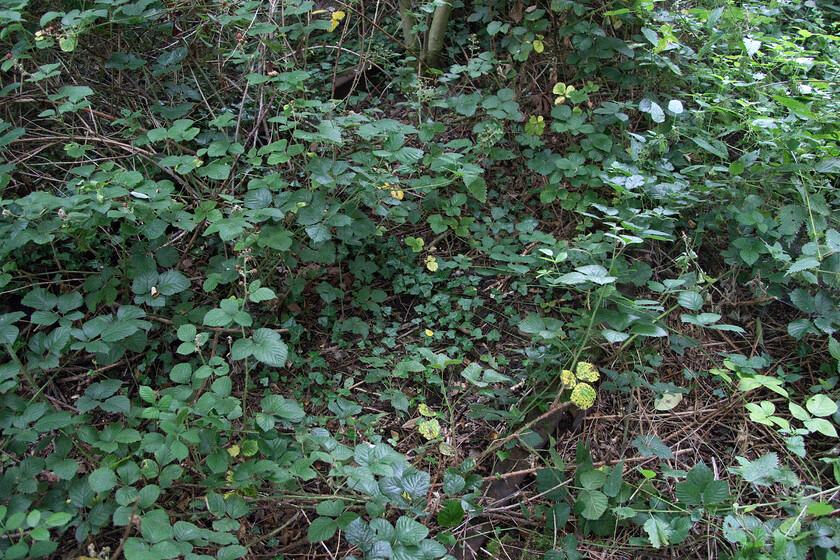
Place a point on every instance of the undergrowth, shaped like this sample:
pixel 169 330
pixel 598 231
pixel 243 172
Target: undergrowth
pixel 269 290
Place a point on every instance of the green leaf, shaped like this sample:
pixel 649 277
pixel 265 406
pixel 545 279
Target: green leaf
pixel 232 552
pixel 330 508
pixel 821 405
pixel 410 532
pixel 262 294
pixel 155 527
pixel 593 480
pixel 765 467
pixel 595 504
pixel 217 318
pixel 652 446
pixel 712 146
pixel 612 486
pixel 550 483
pixel 690 300
pixel 321 529
pixel 716 492
pixel 268 348
pixel 557 517
pixel 329 131
pixel 147 394
pixel 58 519
pixel 451 514
pixel 102 480
pixel 172 282
pixel 821 425
pixel 659 532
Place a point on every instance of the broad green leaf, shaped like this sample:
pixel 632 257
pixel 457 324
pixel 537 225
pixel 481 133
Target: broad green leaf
pixel 58 519
pixel 822 426
pixel 172 282
pixel 102 480
pixel 595 504
pixel 409 532
pixel 321 529
pixel 155 527
pixel 268 348
pixel 550 482
pixel 821 405
pixel 593 480
pixel 451 514
pixel 690 300
pixel 659 532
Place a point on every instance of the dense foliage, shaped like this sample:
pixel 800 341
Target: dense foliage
pixel 271 288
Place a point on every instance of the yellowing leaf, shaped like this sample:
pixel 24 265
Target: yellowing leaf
pixel 667 401
pixel 333 24
pixel 431 263
pixel 538 46
pixel 568 378
pixel 587 372
pixel 233 450
pixel 446 449
pixel 397 194
pixel 338 16
pixel 429 429
pixel 583 395
pixel 424 409
pixel 429 332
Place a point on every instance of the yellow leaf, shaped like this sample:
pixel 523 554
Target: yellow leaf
pixel 431 263
pixel 538 46
pixel 567 378
pixel 333 24
pixel 233 450
pixel 583 395
pixel 429 429
pixel 424 409
pixel 429 332
pixel 587 372
pixel 397 194
pixel 338 16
